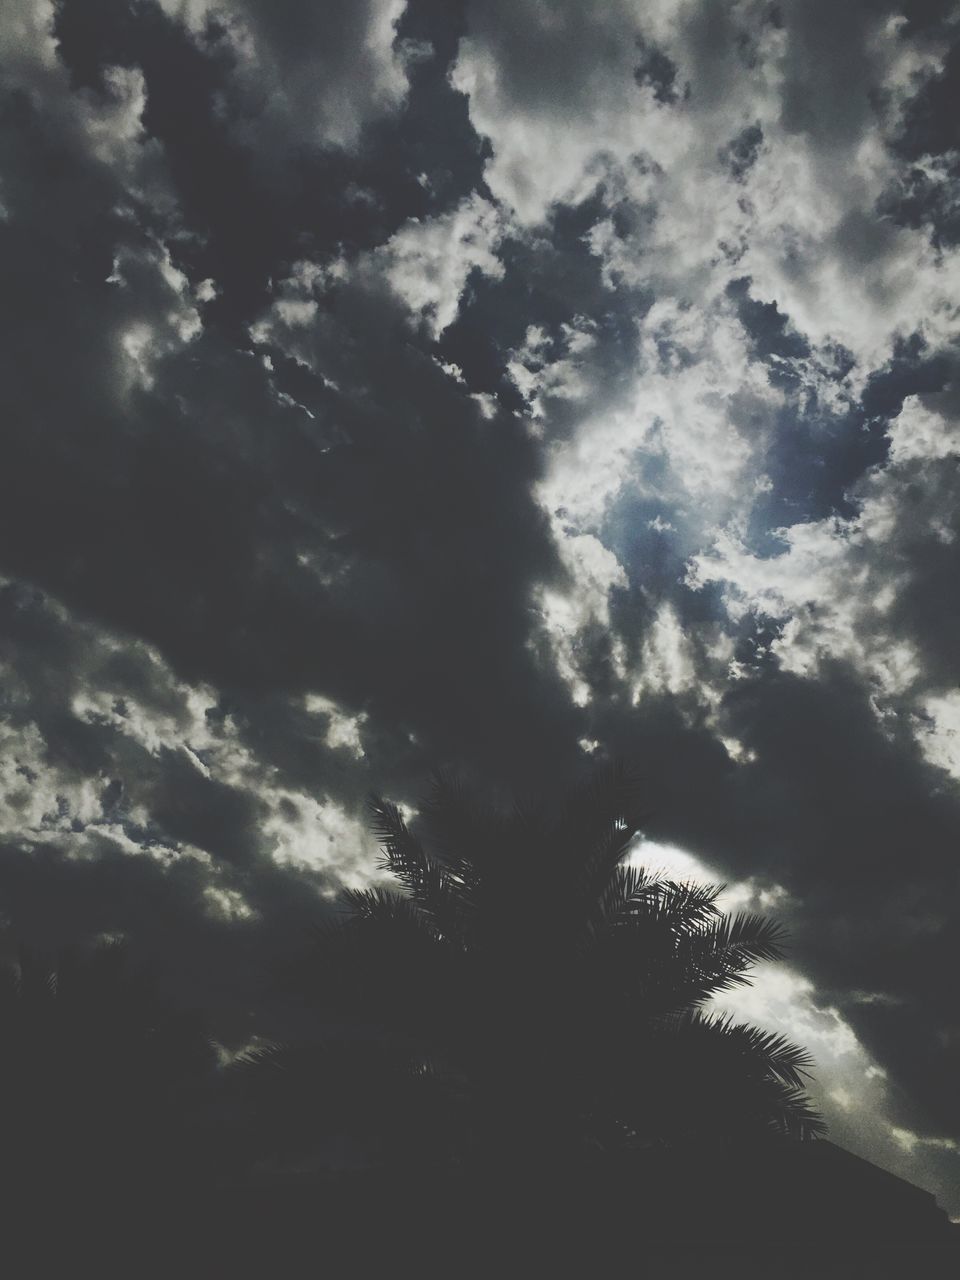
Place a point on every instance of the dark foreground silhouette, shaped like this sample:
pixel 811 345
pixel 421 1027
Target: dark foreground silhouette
pixel 786 1210
pixel 505 1071
pixel 527 987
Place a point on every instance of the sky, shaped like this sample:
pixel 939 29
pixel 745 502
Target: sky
pixel 504 386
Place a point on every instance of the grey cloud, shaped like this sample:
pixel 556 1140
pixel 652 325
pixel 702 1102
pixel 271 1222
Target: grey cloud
pixel 829 71
pixel 332 67
pixel 192 498
pixel 556 52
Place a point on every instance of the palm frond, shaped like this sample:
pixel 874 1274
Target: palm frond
pixel 773 1062
pixel 599 821
pixel 713 1078
pixel 718 955
pixel 381 906
pixel 777 1055
pixel 793 1115
pixel 464 833
pixel 401 854
pixel 437 891
pixel 670 950
pixel 748 937
pixel 266 1055
pixel 685 905
pixel 626 889
pixel 615 793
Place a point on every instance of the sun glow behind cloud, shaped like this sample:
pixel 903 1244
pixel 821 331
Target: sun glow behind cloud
pixel 848 1084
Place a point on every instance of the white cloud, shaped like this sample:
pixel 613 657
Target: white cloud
pixel 343 730
pixel 26 36
pixel 35 800
pixel 427 261
pixel 667 663
pixel 922 431
pixel 315 835
pixel 909 1141
pixel 542 369
pixel 566 613
pixel 842 274
pixel 553 88
pixel 830 587
pixel 937 728
pixel 144 715
pixel 695 400
pixel 227 904
pixel 557 97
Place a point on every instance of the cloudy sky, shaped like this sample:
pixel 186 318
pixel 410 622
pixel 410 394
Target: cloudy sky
pixel 504 385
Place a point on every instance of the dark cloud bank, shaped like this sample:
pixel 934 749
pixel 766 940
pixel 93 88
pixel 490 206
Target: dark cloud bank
pixel 501 387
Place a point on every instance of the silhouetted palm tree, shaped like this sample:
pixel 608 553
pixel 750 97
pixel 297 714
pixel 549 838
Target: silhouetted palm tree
pixel 551 993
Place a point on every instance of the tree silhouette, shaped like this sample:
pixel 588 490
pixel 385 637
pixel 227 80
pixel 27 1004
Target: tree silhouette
pixel 100 1077
pixel 545 993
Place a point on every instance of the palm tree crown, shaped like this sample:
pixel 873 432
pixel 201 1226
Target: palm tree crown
pixel 552 992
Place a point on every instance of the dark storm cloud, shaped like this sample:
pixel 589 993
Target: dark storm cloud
pixel 375 544
pixel 220 966
pixel 188 502
pixel 126 738
pixel 110 822
pixel 866 836
pixel 254 191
